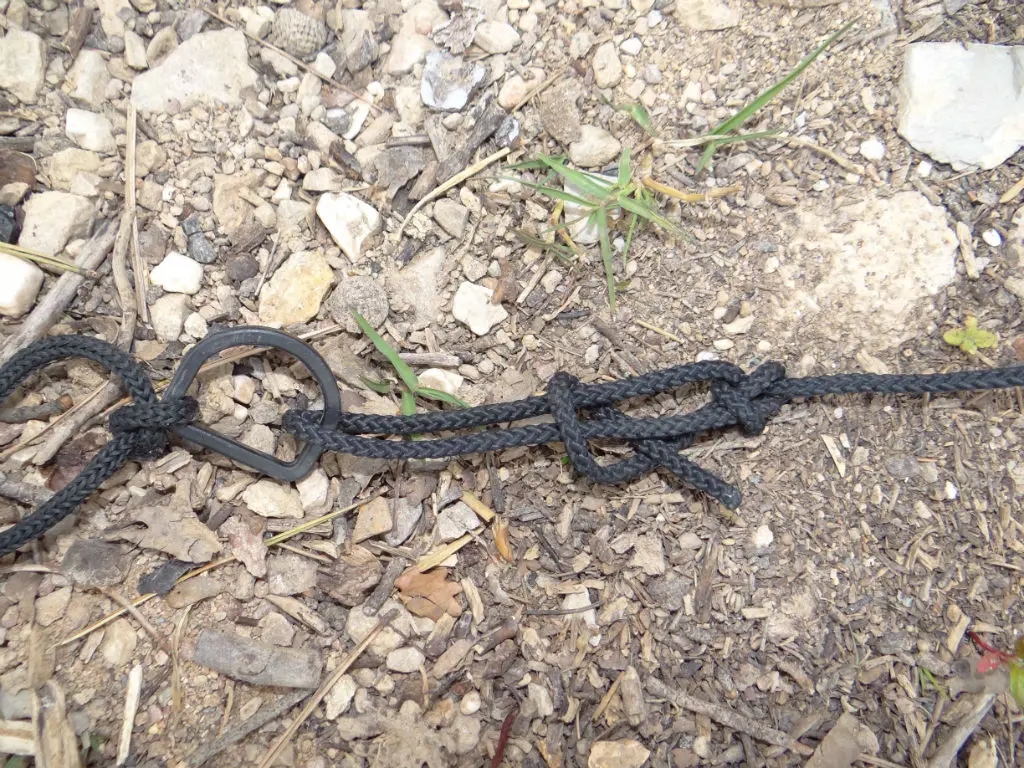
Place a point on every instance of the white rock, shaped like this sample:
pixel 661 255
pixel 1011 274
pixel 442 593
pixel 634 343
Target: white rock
pixel 294 293
pixel 624 753
pixel 90 130
pixel 872 149
pixel 211 67
pixel 87 79
pixel 607 67
pixel 649 555
pixel 595 147
pixel 414 288
pixel 407 50
pixel 472 306
pixel 324 65
pixel 20 281
pixel 963 104
pixel 451 216
pixel 879 266
pixel 470 703
pixel 739 326
pixel 134 51
pixel 340 696
pixel 441 379
pixel 704 15
pixel 349 220
pixel 631 46
pixel 583 230
pixel 22 64
pixel 992 238
pixel 54 218
pixel 456 520
pixel 322 180
pixel 178 274
pixel 313 489
pixel 269 498
pixel 405 660
pixel 496 37
pixel 763 537
pixel 167 316
pixel 196 326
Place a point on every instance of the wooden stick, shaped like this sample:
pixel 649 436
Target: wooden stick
pixel 231 737
pixel 62 294
pixel 131 707
pixel 946 754
pixel 130 203
pixel 726 717
pixel 323 690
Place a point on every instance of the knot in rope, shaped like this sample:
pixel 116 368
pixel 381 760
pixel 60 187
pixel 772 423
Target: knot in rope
pixel 148 423
pixel 748 397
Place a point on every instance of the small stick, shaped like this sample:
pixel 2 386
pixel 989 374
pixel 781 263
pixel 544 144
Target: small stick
pixel 232 736
pixel 34 412
pixel 690 197
pixel 74 421
pixel 125 292
pixel 453 181
pixel 10 451
pixel 159 639
pixel 539 89
pixel 297 62
pixel 661 331
pixel 179 630
pixel 323 690
pixel 564 611
pixel 62 294
pixel 78 30
pixel 726 717
pixel 131 707
pixel 946 754
pixel 842 162
pixel 384 587
pixel 130 202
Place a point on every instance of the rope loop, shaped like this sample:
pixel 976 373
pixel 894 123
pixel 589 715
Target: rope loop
pixel 747 399
pixel 148 423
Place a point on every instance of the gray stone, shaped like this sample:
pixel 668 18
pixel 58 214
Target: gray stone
pixel 269 498
pixel 607 66
pixel 211 67
pixel 134 51
pixel 163 44
pixel 94 563
pixel 456 520
pixel 362 294
pixel 167 316
pixel 290 574
pixel 22 64
pixel 50 608
pixel 496 37
pixel 257 663
pixel 63 167
pixel 448 81
pixel 358 39
pixel 451 216
pixel 414 288
pixel 340 696
pixel 559 113
pixel 963 104
pixel 405 660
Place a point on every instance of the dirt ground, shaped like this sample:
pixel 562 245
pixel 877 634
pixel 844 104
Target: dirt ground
pixel 607 626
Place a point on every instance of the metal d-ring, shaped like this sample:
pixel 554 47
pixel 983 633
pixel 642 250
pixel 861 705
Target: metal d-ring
pixel 245 336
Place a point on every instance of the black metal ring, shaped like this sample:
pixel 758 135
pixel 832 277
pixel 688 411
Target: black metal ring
pixel 245 336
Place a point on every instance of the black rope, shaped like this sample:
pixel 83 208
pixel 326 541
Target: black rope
pixel 579 414
pixel 139 430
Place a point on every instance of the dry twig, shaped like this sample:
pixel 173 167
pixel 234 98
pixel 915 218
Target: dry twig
pixel 131 707
pixel 945 755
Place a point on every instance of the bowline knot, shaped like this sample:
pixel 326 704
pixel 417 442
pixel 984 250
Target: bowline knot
pixel 748 398
pixel 149 422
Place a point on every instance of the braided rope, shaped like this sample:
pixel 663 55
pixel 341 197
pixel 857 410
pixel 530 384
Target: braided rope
pixel 580 413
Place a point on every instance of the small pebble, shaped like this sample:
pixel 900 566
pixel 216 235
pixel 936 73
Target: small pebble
pixel 992 237
pixel 632 46
pixel 872 149
pixel 470 703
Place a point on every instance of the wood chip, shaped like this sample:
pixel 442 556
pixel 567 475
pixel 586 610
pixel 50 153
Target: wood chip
pixel 834 452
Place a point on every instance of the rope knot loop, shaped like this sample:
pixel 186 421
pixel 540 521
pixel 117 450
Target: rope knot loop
pixel 748 399
pixel 149 423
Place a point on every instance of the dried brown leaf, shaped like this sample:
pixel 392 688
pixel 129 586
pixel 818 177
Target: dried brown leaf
pixel 429 594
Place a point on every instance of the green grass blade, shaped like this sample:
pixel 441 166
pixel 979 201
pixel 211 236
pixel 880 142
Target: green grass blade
pixel 644 211
pixel 408 403
pixel 380 387
pixel 405 373
pixel 555 192
pixel 745 114
pixel 625 173
pixel 629 238
pixel 444 397
pixel 705 156
pixel 606 255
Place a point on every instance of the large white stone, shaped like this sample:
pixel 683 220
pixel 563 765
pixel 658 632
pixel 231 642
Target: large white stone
pixel 211 67
pixel 703 15
pixel 90 130
pixel 20 281
pixel 349 220
pixel 178 274
pixel 54 218
pixel 472 306
pixel 963 105
pixel 167 316
pixel 22 64
pixel 863 273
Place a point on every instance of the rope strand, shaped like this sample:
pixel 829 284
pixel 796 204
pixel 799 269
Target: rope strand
pixel 580 413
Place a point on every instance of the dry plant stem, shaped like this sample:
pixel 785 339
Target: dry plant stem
pixel 842 162
pixel 539 89
pixel 158 639
pixel 452 182
pixel 138 267
pixel 125 291
pixel 131 708
pixel 726 717
pixel 323 690
pixel 297 62
pixel 946 754
pixel 234 735
pixel 62 294
pixel 75 420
